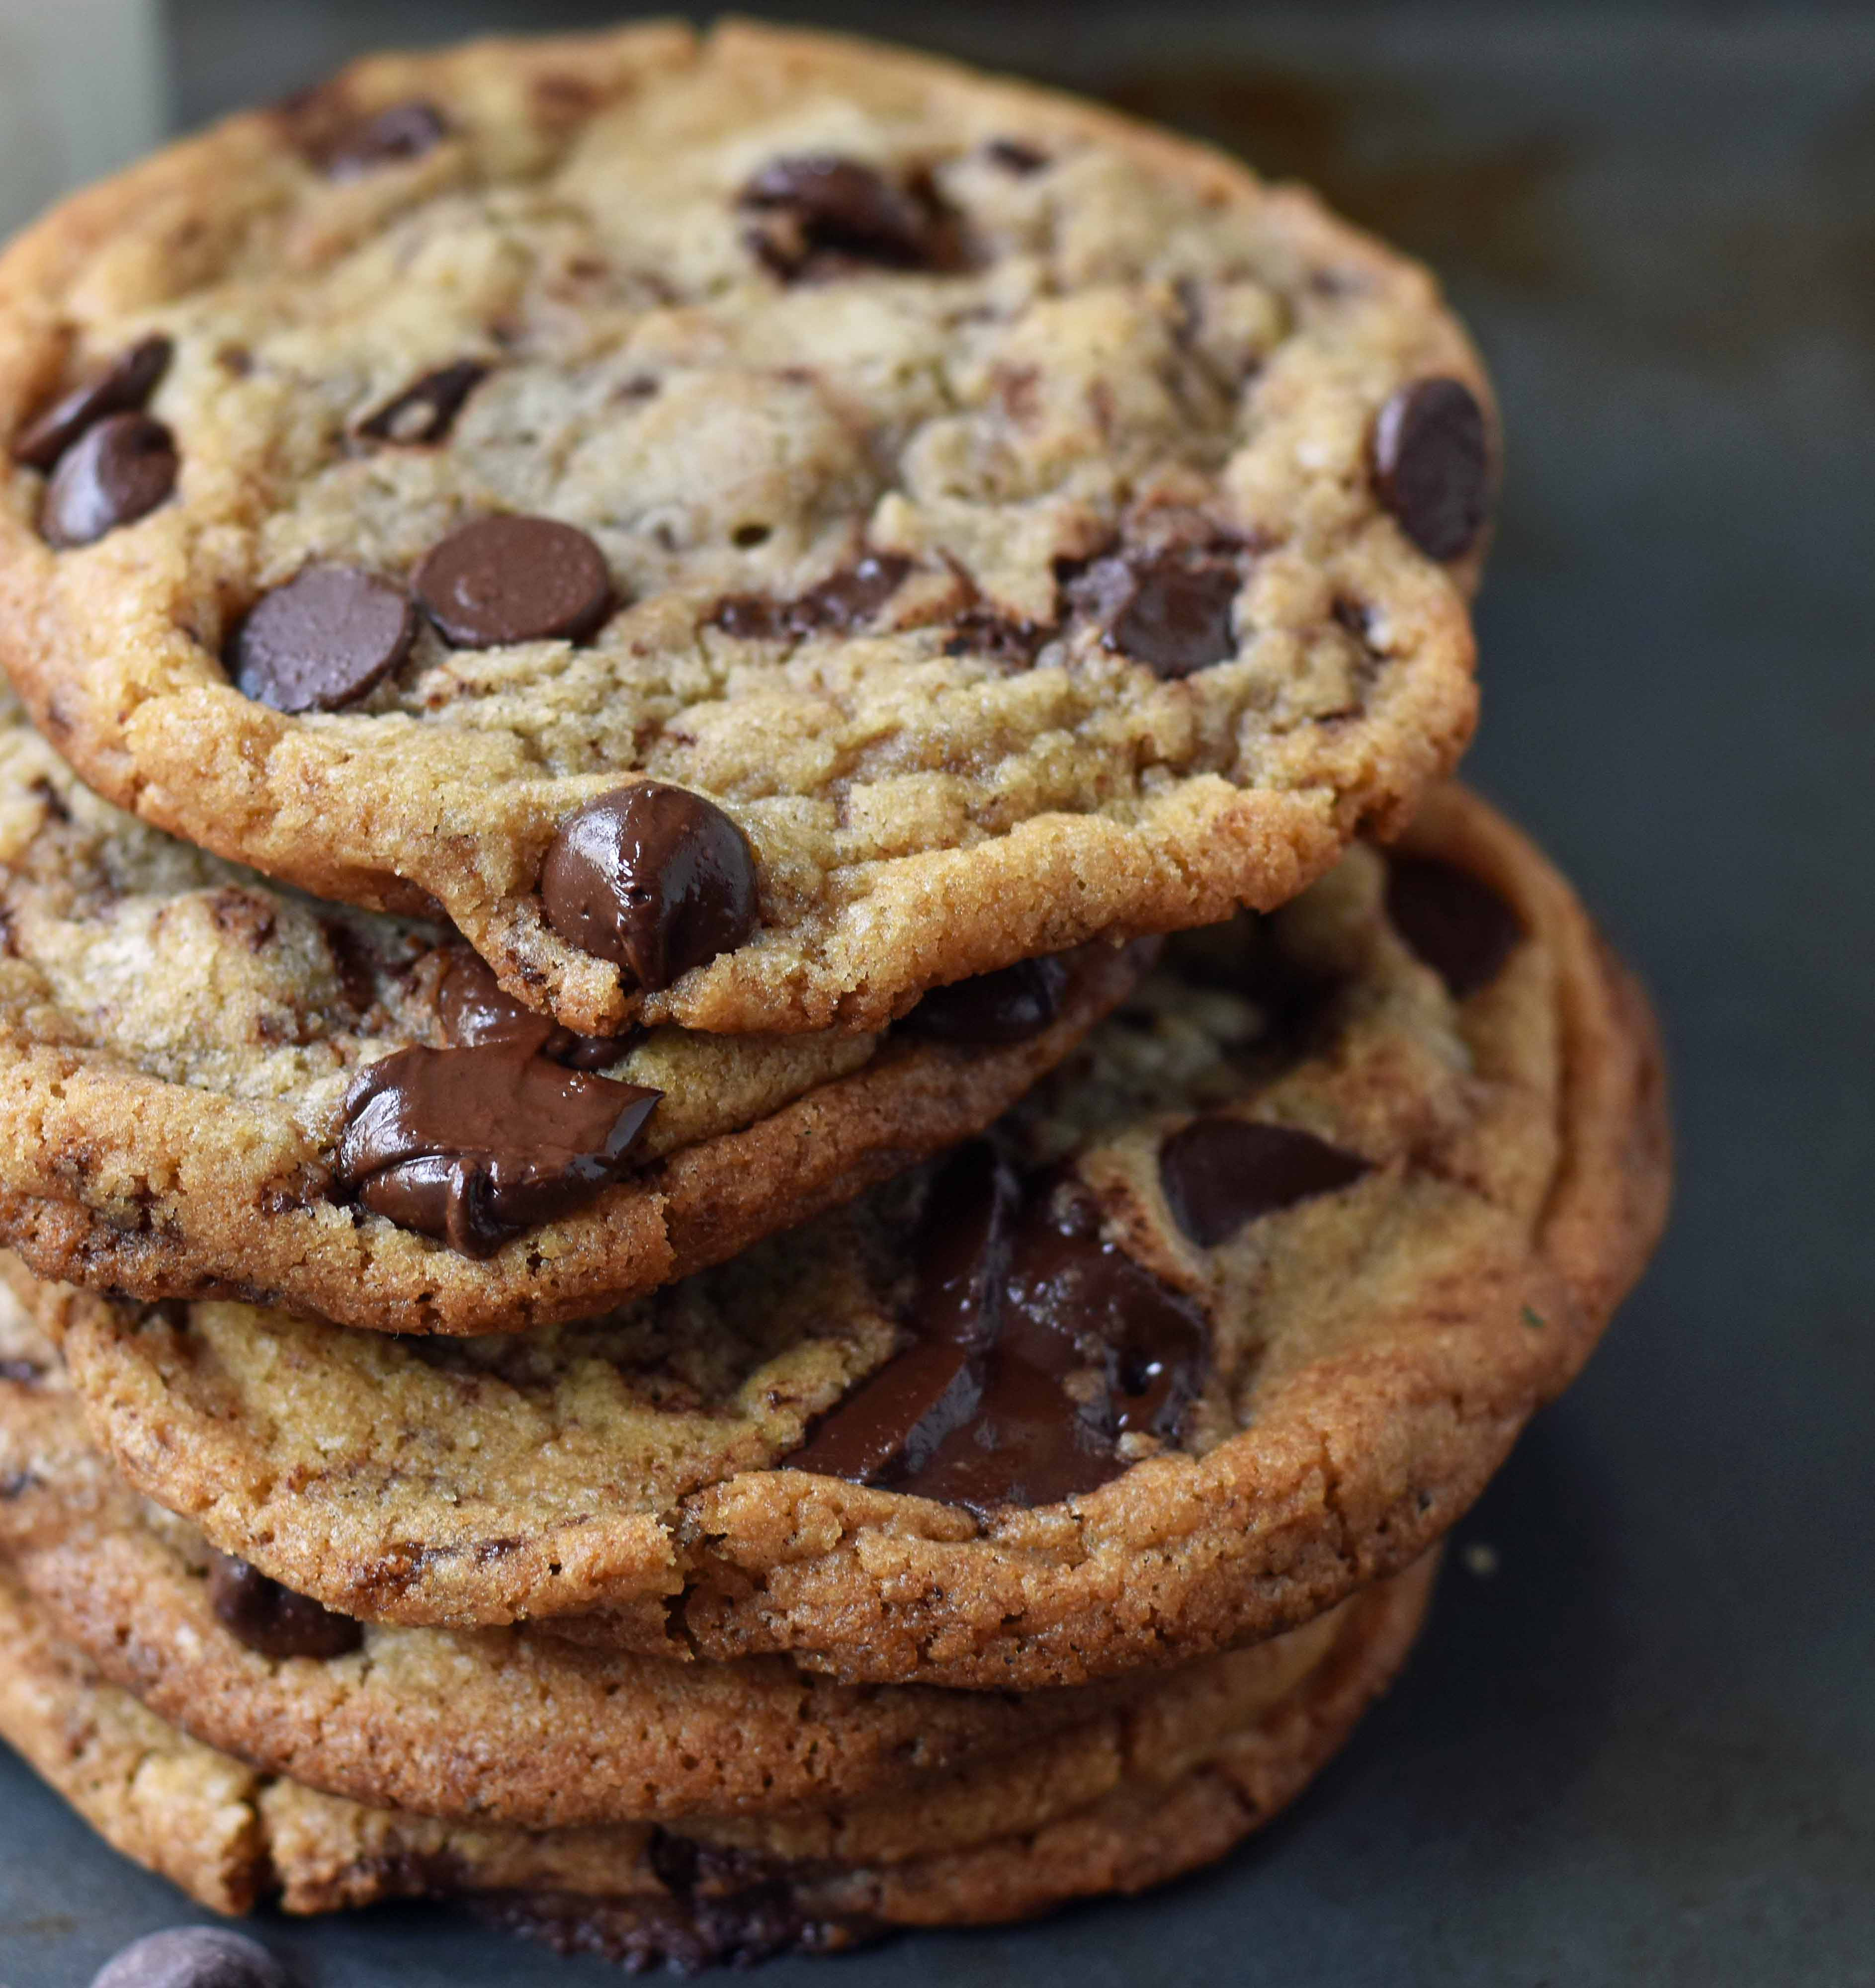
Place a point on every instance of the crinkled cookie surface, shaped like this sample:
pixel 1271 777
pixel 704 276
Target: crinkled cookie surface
pixel 1022 524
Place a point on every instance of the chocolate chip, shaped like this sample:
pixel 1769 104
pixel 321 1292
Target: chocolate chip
pixel 405 131
pixel 274 1620
pixel 123 388
pixel 1014 157
pixel 323 640
pixel 1432 465
pixel 118 471
pixel 475 1009
pixel 979 632
pixel 818 213
pixel 425 411
pixel 193 1957
pixel 847 600
pixel 1218 1174
pixel 506 579
pixel 1012 1005
pixel 472 1146
pixel 652 877
pixel 21 1372
pixel 1458 925
pixel 1169 609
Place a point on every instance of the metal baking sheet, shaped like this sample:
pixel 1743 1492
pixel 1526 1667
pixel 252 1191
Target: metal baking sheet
pixel 1642 1748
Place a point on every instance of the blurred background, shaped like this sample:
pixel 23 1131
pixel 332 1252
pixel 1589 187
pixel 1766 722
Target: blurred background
pixel 1639 1743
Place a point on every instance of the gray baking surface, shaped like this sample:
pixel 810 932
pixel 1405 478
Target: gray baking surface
pixel 1643 1749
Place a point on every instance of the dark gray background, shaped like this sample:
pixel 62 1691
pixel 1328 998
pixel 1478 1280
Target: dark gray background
pixel 1643 1750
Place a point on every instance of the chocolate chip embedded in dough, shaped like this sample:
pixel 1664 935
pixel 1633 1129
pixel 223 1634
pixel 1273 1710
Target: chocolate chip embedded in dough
pixel 1012 1005
pixel 847 600
pixel 475 1009
pixel 1218 1173
pixel 816 212
pixel 403 132
pixel 425 411
pixel 1453 921
pixel 323 640
pixel 193 1957
pixel 1015 157
pixel 124 387
pixel 1431 463
pixel 118 471
pixel 654 878
pixel 506 579
pixel 273 1620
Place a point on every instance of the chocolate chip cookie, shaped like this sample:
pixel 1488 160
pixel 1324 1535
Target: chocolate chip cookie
pixel 1239 1309
pixel 211 1083
pixel 753 527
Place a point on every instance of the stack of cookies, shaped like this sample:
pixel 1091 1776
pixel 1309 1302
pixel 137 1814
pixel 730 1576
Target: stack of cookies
pixel 771 1158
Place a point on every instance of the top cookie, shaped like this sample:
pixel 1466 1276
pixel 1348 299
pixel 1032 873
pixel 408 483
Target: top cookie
pixel 997 522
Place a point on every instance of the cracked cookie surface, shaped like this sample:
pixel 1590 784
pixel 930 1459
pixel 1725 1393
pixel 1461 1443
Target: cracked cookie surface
pixel 1021 523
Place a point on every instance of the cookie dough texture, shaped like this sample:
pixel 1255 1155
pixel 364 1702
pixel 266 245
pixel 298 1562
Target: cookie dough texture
pixel 176 1036
pixel 1133 346
pixel 232 1836
pixel 1375 1350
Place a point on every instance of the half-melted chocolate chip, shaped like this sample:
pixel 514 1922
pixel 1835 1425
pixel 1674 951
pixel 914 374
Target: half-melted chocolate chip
pixel 1219 1174
pixel 323 640
pixel 654 878
pixel 1457 924
pixel 273 1620
pixel 124 387
pixel 849 600
pixel 403 132
pixel 118 471
pixel 425 411
pixel 474 1009
pixel 1036 1345
pixel 506 579
pixel 1431 463
pixel 816 216
pixel 1011 1004
pixel 1170 610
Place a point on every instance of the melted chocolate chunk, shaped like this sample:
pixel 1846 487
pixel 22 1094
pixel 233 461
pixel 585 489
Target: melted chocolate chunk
pixel 1458 925
pixel 1218 1174
pixel 405 131
pixel 817 215
pixel 1012 1005
pixel 323 640
pixel 472 1146
pixel 1170 610
pixel 274 1620
pixel 475 1009
pixel 118 471
pixel 193 1957
pixel 978 632
pixel 505 579
pixel 1431 461
pixel 425 411
pixel 652 877
pixel 847 601
pixel 124 388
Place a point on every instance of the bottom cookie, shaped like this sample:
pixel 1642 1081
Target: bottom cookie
pixel 232 1837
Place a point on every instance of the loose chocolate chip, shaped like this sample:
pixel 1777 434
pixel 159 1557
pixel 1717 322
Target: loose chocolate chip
pixel 425 411
pixel 1170 610
pixel 1014 157
pixel 116 471
pixel 1432 465
pixel 124 388
pixel 817 211
pixel 652 877
pixel 193 1957
pixel 472 1146
pixel 506 579
pixel 1458 925
pixel 475 1009
pixel 847 600
pixel 1012 1005
pixel 274 1620
pixel 323 640
pixel 405 131
pixel 1218 1174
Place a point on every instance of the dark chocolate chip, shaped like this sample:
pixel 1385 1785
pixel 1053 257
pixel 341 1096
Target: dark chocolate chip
pixel 118 471
pixel 979 632
pixel 1432 465
pixel 847 600
pixel 124 388
pixel 817 212
pixel 472 1146
pixel 1218 1173
pixel 652 877
pixel 274 1620
pixel 1012 1005
pixel 475 1009
pixel 425 411
pixel 1014 157
pixel 193 1957
pixel 1170 610
pixel 505 579
pixel 1458 925
pixel 405 131
pixel 21 1372
pixel 323 640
